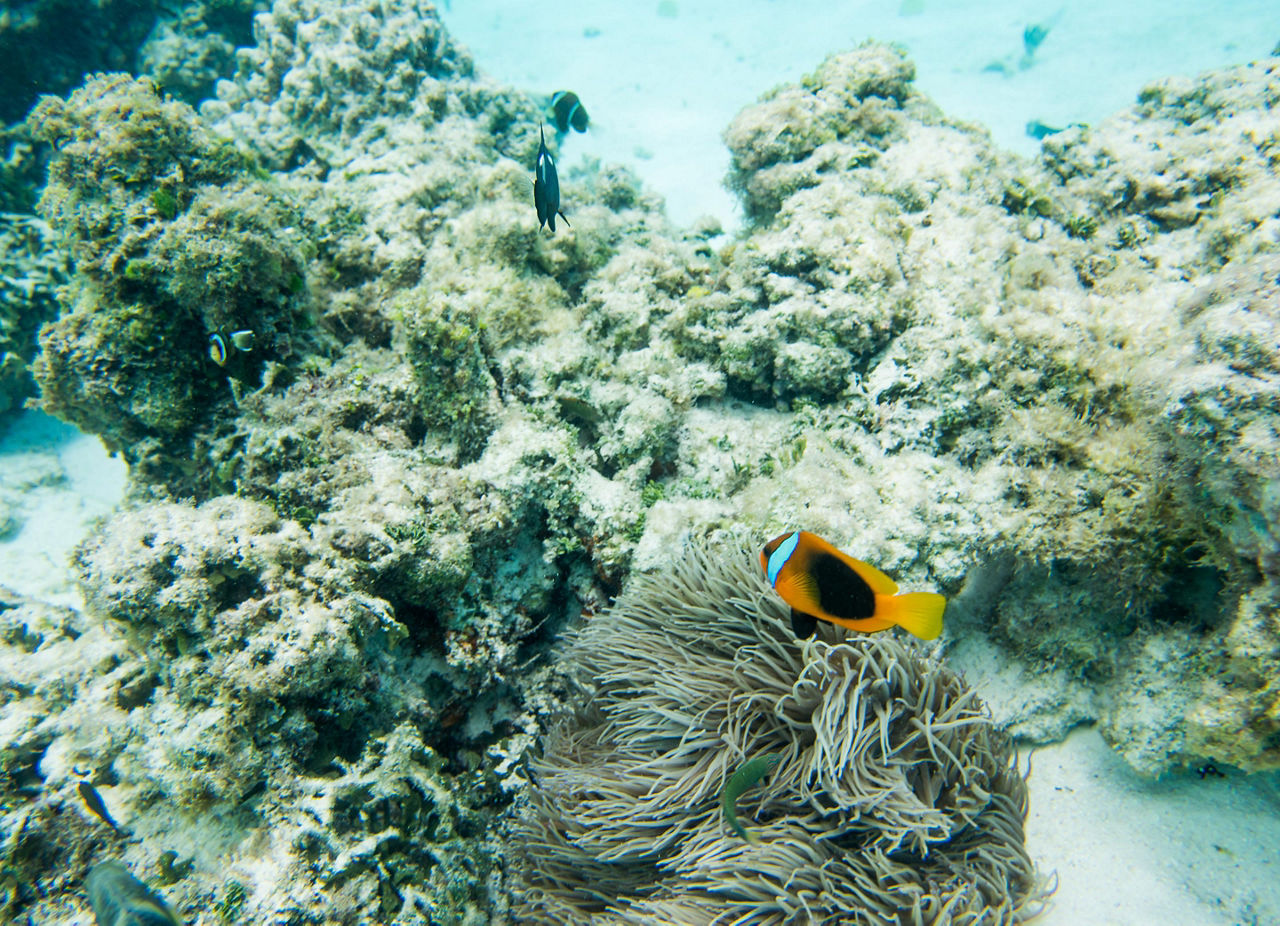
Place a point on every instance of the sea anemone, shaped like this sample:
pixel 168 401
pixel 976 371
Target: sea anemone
pixel 894 799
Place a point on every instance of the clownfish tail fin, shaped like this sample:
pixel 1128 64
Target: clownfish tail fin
pixel 918 613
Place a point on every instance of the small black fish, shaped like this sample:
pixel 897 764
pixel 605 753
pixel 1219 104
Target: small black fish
pixel 97 806
pixel 569 111
pixel 546 186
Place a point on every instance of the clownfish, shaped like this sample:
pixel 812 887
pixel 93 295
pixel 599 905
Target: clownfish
pixel 569 112
pixel 820 582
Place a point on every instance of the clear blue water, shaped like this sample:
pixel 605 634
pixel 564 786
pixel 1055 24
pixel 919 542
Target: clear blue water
pixel 663 80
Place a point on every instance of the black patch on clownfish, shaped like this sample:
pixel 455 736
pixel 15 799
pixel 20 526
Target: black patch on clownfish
pixel 841 591
pixel 803 624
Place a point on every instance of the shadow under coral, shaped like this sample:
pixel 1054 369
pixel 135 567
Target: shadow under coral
pixel 895 799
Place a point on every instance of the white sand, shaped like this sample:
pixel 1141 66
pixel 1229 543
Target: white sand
pixel 1183 851
pixel 53 482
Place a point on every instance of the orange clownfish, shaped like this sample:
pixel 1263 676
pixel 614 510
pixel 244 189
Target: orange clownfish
pixel 820 582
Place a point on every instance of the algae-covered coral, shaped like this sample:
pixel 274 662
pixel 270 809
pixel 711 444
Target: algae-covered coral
pixel 894 799
pixel 173 240
pixel 30 271
pixel 1049 380
pixel 49 45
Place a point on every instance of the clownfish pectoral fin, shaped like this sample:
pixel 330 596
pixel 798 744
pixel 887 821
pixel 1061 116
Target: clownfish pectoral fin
pixel 803 624
pixel 918 613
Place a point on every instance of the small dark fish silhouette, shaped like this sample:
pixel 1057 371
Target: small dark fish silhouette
pixel 569 111
pixel 1033 35
pixel 120 899
pixel 93 800
pixel 546 186
pixel 1039 131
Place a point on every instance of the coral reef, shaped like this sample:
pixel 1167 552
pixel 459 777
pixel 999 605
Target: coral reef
pixel 173 241
pixel 894 798
pixel 48 46
pixel 317 633
pixel 59 667
pixel 30 271
pixel 245 689
pixel 191 47
pixel 364 560
pixel 1069 416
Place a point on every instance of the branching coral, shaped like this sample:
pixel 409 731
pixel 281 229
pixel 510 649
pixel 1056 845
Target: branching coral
pixel 895 799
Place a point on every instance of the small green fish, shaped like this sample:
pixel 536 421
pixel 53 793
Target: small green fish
pixel 93 800
pixel 742 780
pixel 120 899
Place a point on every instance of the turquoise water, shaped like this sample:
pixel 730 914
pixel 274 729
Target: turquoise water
pixel 661 86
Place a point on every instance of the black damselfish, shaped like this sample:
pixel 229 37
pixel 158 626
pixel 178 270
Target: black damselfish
pixel 546 186
pixel 569 111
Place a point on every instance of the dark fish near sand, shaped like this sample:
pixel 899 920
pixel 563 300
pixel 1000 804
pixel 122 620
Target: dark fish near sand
pixel 546 186
pixel 1039 131
pixel 821 583
pixel 569 111
pixel 120 899
pixel 93 800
